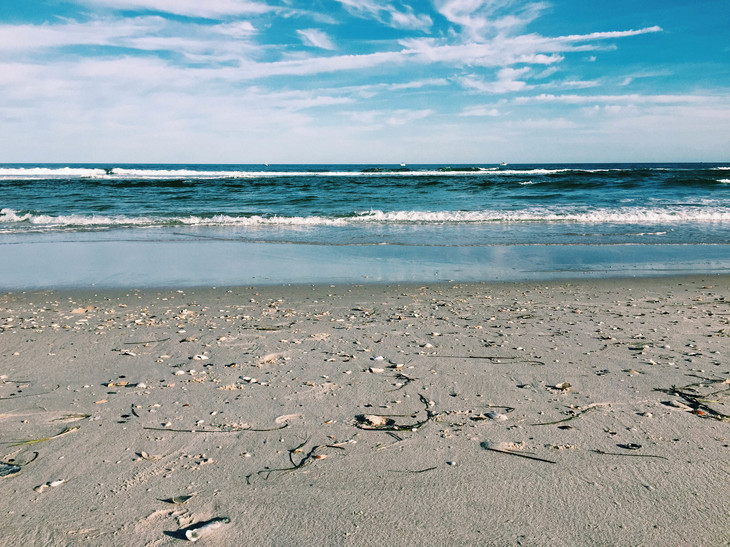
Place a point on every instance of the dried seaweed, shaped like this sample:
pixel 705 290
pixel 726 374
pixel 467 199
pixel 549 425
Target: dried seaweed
pixel 626 454
pixel 699 402
pixel 313 455
pixel 145 342
pixel 29 394
pixel 71 417
pixel 178 500
pixel 578 414
pixel 35 441
pixel 518 454
pixel 226 429
pixel 407 380
pixel 412 471
pixel 492 358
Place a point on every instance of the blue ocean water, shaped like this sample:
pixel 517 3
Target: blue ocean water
pixel 406 207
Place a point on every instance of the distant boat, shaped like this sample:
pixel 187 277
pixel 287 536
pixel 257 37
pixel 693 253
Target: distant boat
pixel 402 164
pixel 503 164
pixel 266 164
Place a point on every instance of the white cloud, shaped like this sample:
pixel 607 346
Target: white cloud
pixel 315 38
pixel 506 81
pixel 595 99
pixel 377 119
pixel 481 19
pixel 152 34
pixel 387 14
pixel 194 8
pixel 480 111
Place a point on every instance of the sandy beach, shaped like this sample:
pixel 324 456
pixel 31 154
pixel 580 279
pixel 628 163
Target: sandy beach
pixel 592 412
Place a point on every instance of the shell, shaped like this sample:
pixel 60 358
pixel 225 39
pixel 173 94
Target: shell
pixel 375 420
pixel 194 533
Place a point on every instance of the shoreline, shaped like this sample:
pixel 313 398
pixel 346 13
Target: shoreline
pixel 69 264
pixel 555 412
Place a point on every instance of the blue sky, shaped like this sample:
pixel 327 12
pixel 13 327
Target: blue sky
pixel 364 81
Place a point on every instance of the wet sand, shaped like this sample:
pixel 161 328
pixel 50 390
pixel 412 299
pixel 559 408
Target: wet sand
pixel 590 412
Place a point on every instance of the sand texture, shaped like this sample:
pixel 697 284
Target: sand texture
pixel 561 413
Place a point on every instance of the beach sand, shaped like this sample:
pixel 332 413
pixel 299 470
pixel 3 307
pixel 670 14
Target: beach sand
pixel 592 412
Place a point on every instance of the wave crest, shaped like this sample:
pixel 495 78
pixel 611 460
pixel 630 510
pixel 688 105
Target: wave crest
pixel 22 221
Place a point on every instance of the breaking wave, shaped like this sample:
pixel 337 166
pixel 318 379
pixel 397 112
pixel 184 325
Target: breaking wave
pixel 14 221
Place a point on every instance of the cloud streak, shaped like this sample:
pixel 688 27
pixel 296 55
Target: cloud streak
pixel 387 14
pixel 192 8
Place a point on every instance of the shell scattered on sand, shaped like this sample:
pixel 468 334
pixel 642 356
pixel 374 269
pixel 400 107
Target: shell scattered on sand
pixel 194 533
pixel 373 420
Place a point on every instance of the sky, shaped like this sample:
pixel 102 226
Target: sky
pixel 364 81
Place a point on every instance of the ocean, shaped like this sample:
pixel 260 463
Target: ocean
pixel 74 224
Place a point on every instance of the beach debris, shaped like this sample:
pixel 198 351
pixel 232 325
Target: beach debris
pixel 178 500
pixel 405 381
pixel 604 453
pixel 71 418
pixel 196 531
pixel 416 471
pixel 512 449
pixel 576 413
pixel 86 309
pixel 497 416
pixel 51 484
pixel 18 395
pixel 286 417
pixel 376 370
pixel 374 420
pixel 699 397
pixel 564 387
pixel 35 441
pixel 497 359
pixel 629 446
pixel 221 429
pixel 677 404
pixel 384 423
pixel 149 457
pixel 313 455
pixel 9 469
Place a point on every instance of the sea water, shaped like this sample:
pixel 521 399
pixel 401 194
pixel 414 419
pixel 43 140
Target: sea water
pixel 152 225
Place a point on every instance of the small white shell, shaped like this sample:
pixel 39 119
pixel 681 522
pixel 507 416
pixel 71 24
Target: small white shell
pixel 194 533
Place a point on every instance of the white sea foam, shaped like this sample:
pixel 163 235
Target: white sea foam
pixel 63 172
pixel 724 181
pixel 10 219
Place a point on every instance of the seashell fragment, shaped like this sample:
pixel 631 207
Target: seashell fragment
pixel 286 417
pixel 373 420
pixel 565 386
pixel 677 404
pixel 179 500
pixel 194 533
pixel 496 416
